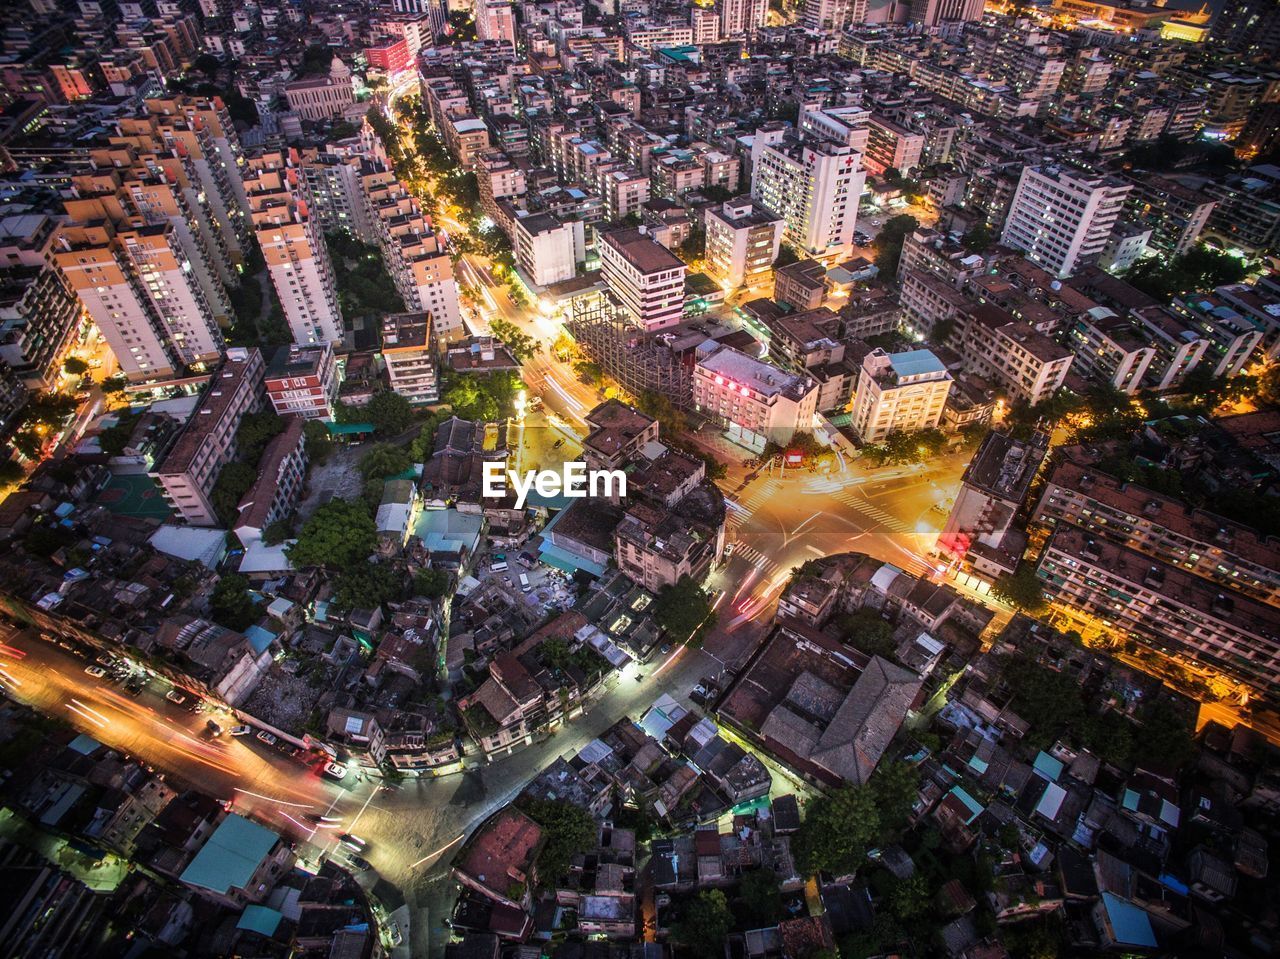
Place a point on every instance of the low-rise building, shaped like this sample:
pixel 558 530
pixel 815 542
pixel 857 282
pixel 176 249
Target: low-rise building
pixel 899 393
pixel 410 353
pixel 303 380
pixel 755 402
pixel 282 473
pixel 743 240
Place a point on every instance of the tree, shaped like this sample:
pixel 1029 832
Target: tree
pixel 663 410
pixel 11 472
pixel 390 413
pixel 705 925
pixel 431 583
pixel 339 535
pixel 895 787
pixel 521 345
pixel 588 371
pixel 114 439
pixel 837 830
pixel 567 828
pixel 909 898
pixel 866 630
pixel 786 256
pixel 44 540
pixel 384 460
pixel 75 366
pixel 319 442
pixel 761 894
pixel 470 398
pixel 1020 589
pixel 682 609
pixel 277 532
pixel 255 432
pixel 888 242
pixel 1200 268
pixel 233 482
pixel 978 238
pixel 367 586
pixel 230 604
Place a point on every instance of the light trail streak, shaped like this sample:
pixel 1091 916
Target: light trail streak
pixel 296 805
pixel 432 855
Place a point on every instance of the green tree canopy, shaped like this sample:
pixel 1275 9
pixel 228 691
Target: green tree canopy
pixel 837 831
pixel 368 586
pixel 567 829
pixel 233 482
pixel 888 242
pixel 1021 589
pixel 705 925
pixel 431 583
pixel 318 441
pixel 866 629
pixel 761 895
pixel 681 609
pixel 75 366
pixel 339 535
pixel 384 460
pixel 895 787
pixel 390 413
pixel 255 432
pixel 230 604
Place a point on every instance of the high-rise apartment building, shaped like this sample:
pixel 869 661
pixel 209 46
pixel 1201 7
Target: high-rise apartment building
pixel 930 13
pixel 189 469
pixel 832 16
pixel 303 380
pixel 813 186
pixel 1250 28
pixel 645 276
pixel 742 18
pixel 544 248
pixel 294 250
pixel 39 314
pixel 495 20
pixel 899 393
pixel 1061 217
pixel 742 242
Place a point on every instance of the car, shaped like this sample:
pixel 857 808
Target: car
pixel 355 842
pixel 317 818
pixel 728 549
pixel 213 728
pixel 266 737
pixel 334 771
pixel 241 730
pixel 666 648
pixel 175 697
pixel 359 861
pixel 557 444
pixel 134 686
pixel 528 559
pixel 97 672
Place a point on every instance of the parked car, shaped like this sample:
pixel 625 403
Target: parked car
pixel 266 737
pixel 97 672
pixel 359 861
pixel 334 771
pixel 241 730
pixel 175 697
pixel 213 728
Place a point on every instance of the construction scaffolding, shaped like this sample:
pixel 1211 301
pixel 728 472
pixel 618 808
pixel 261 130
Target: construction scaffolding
pixel 639 361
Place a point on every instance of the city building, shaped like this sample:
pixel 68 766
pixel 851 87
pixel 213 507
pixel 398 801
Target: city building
pixel 832 16
pixel 282 474
pixel 303 380
pixel 899 393
pixel 187 472
pixel 295 251
pixel 323 98
pixel 409 349
pixel 617 433
pixel 1062 217
pixel 813 186
pixel 742 242
pixel 544 248
pixel 1164 607
pixel 980 533
pixel 756 403
pixel 741 18
pixel 645 276
pixel 495 20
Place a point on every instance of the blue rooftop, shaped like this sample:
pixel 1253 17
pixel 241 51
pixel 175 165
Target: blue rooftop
pixel 916 362
pixel 975 808
pixel 1132 926
pixel 260 919
pixel 259 638
pixel 1047 766
pixel 448 531
pixel 84 745
pixel 231 856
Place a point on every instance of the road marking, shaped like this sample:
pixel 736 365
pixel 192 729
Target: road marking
pixel 299 805
pixel 755 558
pixel 432 855
pixel 871 511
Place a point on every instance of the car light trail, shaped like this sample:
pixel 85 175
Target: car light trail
pixel 296 805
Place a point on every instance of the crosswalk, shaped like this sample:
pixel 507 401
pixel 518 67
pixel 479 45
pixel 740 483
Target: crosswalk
pixel 756 558
pixel 740 512
pixel 870 510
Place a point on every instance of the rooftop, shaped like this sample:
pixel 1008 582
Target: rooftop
pixel 642 251
pixel 502 851
pixel 231 856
